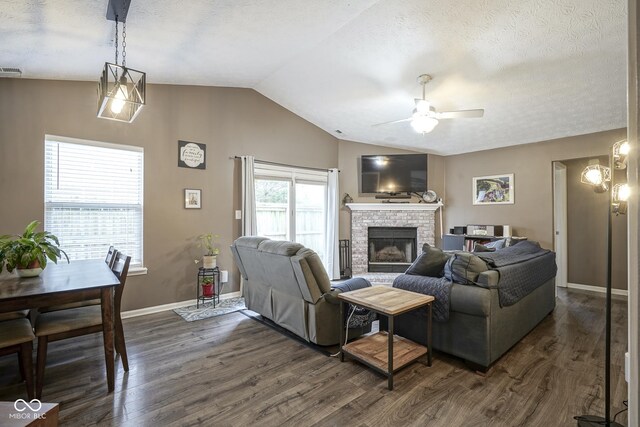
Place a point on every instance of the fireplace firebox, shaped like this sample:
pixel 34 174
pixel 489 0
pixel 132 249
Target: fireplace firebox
pixel 391 249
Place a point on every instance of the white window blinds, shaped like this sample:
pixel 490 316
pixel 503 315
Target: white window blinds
pixel 94 197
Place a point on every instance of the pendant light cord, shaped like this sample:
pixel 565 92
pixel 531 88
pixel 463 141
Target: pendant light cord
pixel 116 39
pixel 124 44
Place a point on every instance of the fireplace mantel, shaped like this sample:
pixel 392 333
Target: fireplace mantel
pixel 394 206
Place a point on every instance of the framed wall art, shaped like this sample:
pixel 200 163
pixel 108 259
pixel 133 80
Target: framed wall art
pixel 493 190
pixel 192 198
pixel 192 155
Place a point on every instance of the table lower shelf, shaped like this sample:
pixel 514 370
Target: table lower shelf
pixel 373 349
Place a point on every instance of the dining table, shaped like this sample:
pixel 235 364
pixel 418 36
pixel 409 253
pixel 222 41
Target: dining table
pixel 64 283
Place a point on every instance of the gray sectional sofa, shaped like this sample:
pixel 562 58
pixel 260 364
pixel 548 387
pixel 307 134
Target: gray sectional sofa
pixel 287 283
pixel 491 301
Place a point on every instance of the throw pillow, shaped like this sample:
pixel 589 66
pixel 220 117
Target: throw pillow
pixel 514 240
pixel 430 262
pixel 496 244
pixel 483 248
pixel 464 268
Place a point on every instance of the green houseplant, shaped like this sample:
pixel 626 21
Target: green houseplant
pixel 207 241
pixel 29 252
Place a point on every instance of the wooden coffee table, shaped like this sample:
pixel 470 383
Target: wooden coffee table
pixel 382 351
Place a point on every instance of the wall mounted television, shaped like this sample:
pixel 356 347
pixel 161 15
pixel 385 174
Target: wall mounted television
pixel 393 173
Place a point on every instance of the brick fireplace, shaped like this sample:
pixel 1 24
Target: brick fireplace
pixel 368 216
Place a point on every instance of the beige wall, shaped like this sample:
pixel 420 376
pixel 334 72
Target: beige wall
pixel 229 121
pixel 587 231
pixel 349 165
pixel 532 213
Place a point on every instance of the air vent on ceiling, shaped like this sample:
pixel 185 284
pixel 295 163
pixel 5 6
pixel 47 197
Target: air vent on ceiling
pixel 10 72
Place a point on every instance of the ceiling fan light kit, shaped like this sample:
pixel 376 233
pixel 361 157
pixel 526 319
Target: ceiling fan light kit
pixel 425 117
pixel 423 124
pixel 121 90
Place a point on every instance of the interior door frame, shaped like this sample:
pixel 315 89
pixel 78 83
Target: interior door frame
pixel 560 238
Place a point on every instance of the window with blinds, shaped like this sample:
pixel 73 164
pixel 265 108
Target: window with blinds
pixel 93 197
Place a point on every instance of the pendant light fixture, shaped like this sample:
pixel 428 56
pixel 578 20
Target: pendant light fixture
pixel 121 90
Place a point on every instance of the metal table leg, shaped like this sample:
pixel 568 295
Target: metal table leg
pixel 342 330
pixel 429 334
pixel 390 352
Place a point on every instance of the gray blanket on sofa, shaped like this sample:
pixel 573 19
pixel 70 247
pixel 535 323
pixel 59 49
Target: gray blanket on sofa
pixel 438 287
pixel 522 268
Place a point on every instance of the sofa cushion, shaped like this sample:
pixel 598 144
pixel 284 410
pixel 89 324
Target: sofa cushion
pixel 278 247
pixel 482 248
pixel 317 269
pixel 249 241
pixel 429 263
pixel 464 268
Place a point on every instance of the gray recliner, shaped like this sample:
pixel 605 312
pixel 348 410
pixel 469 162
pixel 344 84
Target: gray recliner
pixel 287 283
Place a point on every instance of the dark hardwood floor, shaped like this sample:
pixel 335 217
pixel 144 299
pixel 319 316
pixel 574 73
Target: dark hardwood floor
pixel 234 371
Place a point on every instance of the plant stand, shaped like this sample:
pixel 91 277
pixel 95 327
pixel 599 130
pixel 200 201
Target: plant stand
pixel 217 286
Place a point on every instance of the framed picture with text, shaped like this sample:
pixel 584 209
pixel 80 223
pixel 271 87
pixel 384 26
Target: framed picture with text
pixel 192 198
pixel 493 190
pixel 192 155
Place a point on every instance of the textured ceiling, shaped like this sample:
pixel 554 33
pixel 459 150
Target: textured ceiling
pixel 541 69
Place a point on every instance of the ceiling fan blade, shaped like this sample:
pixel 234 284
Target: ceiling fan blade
pixel 395 121
pixel 462 114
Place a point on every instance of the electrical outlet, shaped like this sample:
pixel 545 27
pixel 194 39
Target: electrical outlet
pixel 238 214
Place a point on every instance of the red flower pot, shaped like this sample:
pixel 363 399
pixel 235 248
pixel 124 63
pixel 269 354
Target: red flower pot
pixel 207 290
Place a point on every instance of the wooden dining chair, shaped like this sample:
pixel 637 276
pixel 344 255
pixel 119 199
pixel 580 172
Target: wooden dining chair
pixel 74 322
pixel 111 256
pixel 16 336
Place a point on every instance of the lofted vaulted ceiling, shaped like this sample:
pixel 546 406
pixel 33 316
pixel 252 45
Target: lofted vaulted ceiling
pixel 541 69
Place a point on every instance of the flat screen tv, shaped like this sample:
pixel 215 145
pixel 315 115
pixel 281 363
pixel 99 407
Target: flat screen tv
pixel 394 173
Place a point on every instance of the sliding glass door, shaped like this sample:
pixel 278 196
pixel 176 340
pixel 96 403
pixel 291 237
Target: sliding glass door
pixel 273 210
pixel 311 216
pixel 291 204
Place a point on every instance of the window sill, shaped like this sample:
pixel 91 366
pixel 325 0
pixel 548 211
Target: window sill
pixel 137 271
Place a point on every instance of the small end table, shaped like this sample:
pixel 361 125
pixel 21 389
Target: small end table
pixel 217 286
pixel 377 350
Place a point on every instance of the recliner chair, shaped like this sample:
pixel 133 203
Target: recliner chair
pixel 287 283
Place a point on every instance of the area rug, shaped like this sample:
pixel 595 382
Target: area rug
pixel 226 306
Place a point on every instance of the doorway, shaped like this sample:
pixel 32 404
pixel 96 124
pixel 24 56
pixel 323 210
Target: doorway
pixel 560 223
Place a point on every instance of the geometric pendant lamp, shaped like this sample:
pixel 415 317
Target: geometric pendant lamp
pixel 121 93
pixel 121 90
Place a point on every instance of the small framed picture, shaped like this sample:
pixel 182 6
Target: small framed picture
pixel 192 198
pixel 493 190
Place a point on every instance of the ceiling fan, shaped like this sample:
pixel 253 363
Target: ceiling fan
pixel 425 117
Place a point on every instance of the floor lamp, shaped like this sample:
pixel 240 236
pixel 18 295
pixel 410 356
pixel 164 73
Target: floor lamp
pixel 602 178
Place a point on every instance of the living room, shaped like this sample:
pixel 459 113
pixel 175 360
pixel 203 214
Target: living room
pixel 302 86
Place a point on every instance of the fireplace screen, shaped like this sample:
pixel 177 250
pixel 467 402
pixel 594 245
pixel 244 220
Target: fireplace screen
pixel 391 249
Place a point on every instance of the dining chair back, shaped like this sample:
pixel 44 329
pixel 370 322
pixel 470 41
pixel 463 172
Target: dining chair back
pixel 121 270
pixel 111 256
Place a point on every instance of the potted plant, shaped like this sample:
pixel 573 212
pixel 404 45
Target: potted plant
pixel 208 242
pixel 207 286
pixel 28 253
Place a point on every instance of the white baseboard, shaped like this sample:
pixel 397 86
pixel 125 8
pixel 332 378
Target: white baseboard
pixel 167 307
pixel 599 289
